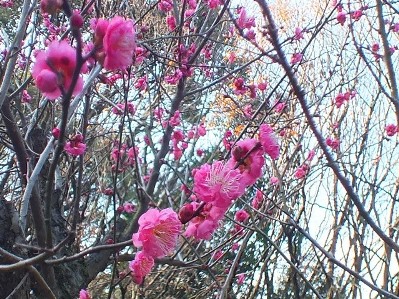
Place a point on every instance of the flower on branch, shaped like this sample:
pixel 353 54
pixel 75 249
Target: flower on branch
pixel 269 141
pixel 115 41
pixel 247 156
pixel 202 226
pixel 333 142
pixel 75 146
pixel 391 130
pixel 54 69
pixel 158 232
pixel 141 266
pixel 83 294
pixel 218 184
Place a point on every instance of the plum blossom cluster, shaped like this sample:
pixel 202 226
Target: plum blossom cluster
pixel 298 34
pixel 124 157
pixel 127 208
pixel 6 3
pixel 54 69
pixel 341 15
pixel 333 142
pixel 304 169
pixel 114 45
pixel 240 87
pixel 341 98
pixel 391 130
pixel 179 139
pixel 83 294
pixel 115 42
pixel 183 54
pixel 157 237
pixel 245 23
pixel 296 58
pixel 301 171
pixel 167 7
pixel 354 15
pixel 217 185
pixel 75 146
pixel 119 109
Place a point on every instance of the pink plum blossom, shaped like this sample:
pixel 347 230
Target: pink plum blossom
pixel 243 20
pixel 177 153
pixel 50 6
pixel 174 78
pixel 375 47
pixel 227 140
pixel 357 14
pixel 26 97
pixel 213 3
pixel 76 20
pixel 141 266
pixel 311 155
pixel 333 142
pixel 258 199
pixel 279 107
pixel 119 44
pixel 175 119
pixel 128 207
pixel 239 86
pixel 140 54
pixel 171 22
pixel 201 130
pixel 177 136
pixel 6 3
pixel 199 152
pixel 248 111
pixel 298 34
pixel 341 17
pixel 250 34
pixel 54 68
pixel 391 130
pixel 241 216
pixel 83 294
pixel 191 134
pixel 201 230
pixel 218 183
pixel 192 4
pixel 247 155
pixel 56 132
pixel 232 57
pixel 202 226
pixel 301 172
pixel 158 112
pixel 252 91
pixel 119 109
pixel 269 141
pixel 262 85
pixel 240 278
pixel 75 146
pixel 296 57
pixel 158 232
pixel 165 5
pixel 341 98
pixel 274 180
pixel 141 83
